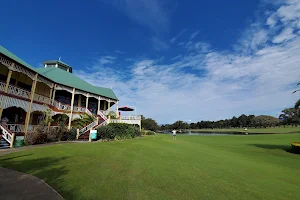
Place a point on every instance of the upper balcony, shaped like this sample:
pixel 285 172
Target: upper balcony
pixel 24 94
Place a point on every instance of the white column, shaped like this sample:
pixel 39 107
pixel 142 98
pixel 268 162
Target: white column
pixel 72 104
pixel 117 109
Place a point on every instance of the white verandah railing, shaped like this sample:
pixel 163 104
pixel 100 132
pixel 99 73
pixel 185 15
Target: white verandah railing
pixel 19 128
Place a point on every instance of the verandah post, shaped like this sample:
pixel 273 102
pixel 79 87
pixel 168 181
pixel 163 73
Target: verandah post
pixel 30 105
pixel 72 104
pixel 5 90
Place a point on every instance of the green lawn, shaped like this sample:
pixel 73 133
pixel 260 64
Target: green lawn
pixel 253 130
pixel 156 167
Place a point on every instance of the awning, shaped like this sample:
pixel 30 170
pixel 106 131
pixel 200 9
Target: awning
pixel 14 102
pixel 126 108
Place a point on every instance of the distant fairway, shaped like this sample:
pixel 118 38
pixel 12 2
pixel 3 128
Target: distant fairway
pixel 253 130
pixel 156 167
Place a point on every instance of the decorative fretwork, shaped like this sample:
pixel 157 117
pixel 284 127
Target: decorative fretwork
pixel 23 70
pixel 43 80
pixel 5 62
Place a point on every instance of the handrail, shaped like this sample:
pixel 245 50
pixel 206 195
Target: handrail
pixel 102 124
pixel 88 127
pixel 87 111
pixel 102 115
pixel 6 133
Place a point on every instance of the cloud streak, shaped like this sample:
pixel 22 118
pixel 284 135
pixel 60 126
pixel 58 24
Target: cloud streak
pixel 153 14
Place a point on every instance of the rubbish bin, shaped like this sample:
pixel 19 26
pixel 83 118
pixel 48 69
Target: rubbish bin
pixel 19 141
pixel 93 134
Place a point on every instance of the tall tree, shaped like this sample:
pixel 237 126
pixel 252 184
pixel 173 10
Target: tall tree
pixel 242 120
pixel 149 124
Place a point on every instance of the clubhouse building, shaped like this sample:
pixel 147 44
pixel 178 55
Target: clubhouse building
pixel 27 92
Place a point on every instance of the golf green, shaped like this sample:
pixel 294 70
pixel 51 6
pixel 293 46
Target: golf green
pixel 157 167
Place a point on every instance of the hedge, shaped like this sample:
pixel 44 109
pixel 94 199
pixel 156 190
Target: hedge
pixel 118 131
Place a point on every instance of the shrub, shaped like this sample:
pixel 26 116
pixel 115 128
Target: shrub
pixel 147 132
pixel 38 136
pixel 69 135
pixel 118 131
pixel 52 135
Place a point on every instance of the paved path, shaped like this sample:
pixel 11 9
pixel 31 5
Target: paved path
pixel 19 186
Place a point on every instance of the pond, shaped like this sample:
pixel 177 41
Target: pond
pixel 207 133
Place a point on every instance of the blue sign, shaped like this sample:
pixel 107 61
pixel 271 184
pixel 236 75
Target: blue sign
pixel 93 134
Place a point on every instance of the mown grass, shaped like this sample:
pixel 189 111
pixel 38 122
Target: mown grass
pixel 253 130
pixel 156 167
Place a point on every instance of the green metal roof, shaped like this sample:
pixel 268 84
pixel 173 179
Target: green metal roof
pixel 14 57
pixel 66 78
pixel 63 77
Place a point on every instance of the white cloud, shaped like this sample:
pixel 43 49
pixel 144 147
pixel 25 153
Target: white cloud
pixel 154 14
pixel 193 35
pixel 106 60
pixel 272 21
pixel 173 40
pixel 119 52
pixel 159 44
pixel 211 84
pixel 286 34
pixel 290 11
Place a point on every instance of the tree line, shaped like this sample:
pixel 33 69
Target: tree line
pixel 289 116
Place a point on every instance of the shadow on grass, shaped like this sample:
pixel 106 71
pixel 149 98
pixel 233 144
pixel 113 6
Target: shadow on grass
pixel 286 148
pixel 48 169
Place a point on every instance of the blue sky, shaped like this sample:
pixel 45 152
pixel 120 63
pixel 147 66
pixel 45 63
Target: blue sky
pixel 173 60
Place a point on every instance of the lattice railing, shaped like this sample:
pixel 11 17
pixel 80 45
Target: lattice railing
pixel 64 107
pixel 41 98
pixel 2 86
pixel 78 109
pixel 18 92
pixel 6 133
pixel 15 128
pixel 131 117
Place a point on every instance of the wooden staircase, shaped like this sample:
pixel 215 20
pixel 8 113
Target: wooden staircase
pixel 3 143
pixel 86 135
